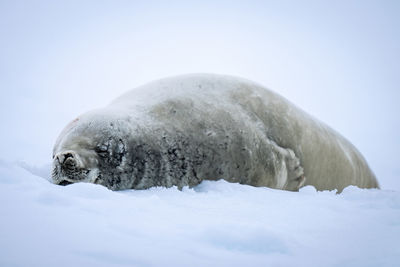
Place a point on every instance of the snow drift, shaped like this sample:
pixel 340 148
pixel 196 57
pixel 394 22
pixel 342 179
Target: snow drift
pixel 213 224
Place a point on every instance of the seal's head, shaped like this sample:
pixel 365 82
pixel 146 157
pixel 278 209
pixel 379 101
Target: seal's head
pixel 70 167
pixel 90 149
pixel 75 161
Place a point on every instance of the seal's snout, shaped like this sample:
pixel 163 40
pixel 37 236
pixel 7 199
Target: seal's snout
pixel 62 157
pixel 68 168
pixel 67 160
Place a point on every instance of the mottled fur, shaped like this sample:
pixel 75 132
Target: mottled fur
pixel 183 130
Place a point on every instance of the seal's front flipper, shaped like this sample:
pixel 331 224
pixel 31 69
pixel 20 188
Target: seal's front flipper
pixel 295 172
pixel 290 174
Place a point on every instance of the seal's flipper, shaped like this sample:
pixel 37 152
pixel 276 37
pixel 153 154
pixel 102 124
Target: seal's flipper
pixel 295 172
pixel 290 174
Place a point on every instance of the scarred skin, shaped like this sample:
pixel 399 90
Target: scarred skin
pixel 183 130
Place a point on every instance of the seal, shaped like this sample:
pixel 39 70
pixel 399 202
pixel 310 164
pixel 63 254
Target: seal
pixel 182 130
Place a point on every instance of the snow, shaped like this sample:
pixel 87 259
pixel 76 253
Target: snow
pixel 213 224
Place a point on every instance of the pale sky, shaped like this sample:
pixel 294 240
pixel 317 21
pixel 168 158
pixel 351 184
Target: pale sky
pixel 338 61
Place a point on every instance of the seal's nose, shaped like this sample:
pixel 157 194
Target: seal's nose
pixel 66 159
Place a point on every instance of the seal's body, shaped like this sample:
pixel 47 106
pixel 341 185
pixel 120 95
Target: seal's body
pixel 182 130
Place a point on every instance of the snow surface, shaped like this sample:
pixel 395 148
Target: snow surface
pixel 213 224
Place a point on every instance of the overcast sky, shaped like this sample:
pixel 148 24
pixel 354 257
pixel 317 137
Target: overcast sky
pixel 339 61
